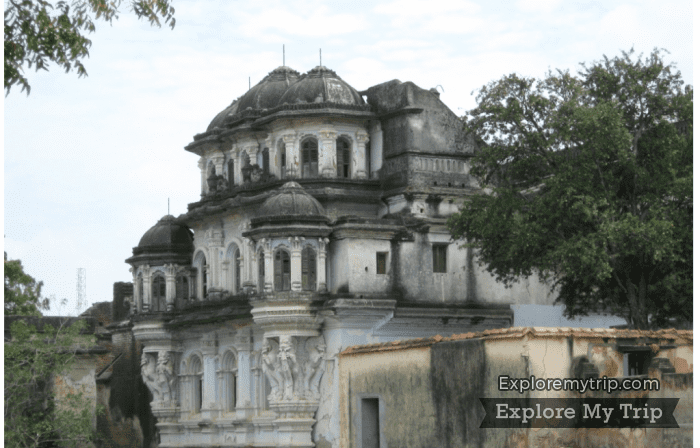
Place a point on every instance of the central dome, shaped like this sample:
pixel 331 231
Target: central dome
pixel 320 85
pixel 291 200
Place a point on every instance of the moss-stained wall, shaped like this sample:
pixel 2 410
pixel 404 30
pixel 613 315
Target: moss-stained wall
pixel 401 382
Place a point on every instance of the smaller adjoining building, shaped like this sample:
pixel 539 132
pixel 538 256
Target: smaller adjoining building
pixel 425 392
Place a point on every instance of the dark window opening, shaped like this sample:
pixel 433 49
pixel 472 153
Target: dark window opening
pixel 308 269
pixel 638 363
pixel 158 294
pixel 231 182
pixel 261 271
pixel 440 258
pixel 282 271
pixel 283 161
pixel 309 159
pixel 266 161
pixel 370 422
pixel 237 271
pixel 343 156
pixel 204 282
pixel 381 262
pixel 182 290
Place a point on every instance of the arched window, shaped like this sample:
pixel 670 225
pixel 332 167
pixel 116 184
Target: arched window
pixel 282 149
pixel 158 293
pixel 197 373
pixel 231 178
pixel 308 269
pixel 139 290
pixel 261 271
pixel 237 271
pixel 282 271
pixel 182 290
pixel 309 158
pixel 266 161
pixel 234 265
pixel 200 262
pixel 230 380
pixel 342 150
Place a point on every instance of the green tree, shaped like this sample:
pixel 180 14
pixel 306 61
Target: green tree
pixel 38 32
pixel 39 413
pixel 22 292
pixel 588 183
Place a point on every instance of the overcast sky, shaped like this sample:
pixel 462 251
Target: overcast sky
pixel 91 162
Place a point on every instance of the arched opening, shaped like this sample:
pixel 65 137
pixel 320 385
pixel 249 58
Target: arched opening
pixel 282 271
pixel 266 161
pixel 200 263
pixel 230 378
pixel 342 150
pixel 261 271
pixel 197 373
pixel 309 158
pixel 231 177
pixel 308 269
pixel 283 159
pixel 182 290
pixel 158 293
pixel 234 268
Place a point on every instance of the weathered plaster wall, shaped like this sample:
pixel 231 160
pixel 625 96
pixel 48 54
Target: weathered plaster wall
pixel 399 380
pixel 354 266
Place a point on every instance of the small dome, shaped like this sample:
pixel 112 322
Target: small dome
pixel 291 200
pixel 321 84
pixel 166 232
pixel 165 242
pixel 264 95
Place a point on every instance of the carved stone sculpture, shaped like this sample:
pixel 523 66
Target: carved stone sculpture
pixel 149 375
pixel 166 378
pixel 294 367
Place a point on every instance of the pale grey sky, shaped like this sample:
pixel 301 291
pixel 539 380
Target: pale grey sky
pixel 91 162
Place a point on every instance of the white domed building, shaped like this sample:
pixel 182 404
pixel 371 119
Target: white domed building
pixel 320 225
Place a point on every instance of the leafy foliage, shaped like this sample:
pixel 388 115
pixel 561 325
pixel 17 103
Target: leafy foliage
pixel 22 292
pixel 589 182
pixel 35 361
pixel 38 32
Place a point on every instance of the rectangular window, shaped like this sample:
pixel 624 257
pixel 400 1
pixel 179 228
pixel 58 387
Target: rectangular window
pixel 381 262
pixel 370 422
pixel 440 258
pixel 637 362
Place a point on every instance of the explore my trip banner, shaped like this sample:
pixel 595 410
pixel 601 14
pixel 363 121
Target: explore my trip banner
pixel 579 412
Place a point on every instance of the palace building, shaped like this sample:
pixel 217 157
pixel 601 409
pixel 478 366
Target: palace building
pixel 320 225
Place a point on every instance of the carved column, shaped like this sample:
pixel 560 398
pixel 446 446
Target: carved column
pixel 226 282
pixel 215 243
pixel 146 299
pixel 269 270
pixel 296 262
pixel 170 286
pixel 158 371
pixel 209 397
pixel 376 150
pixel 247 264
pixel 359 163
pixel 321 265
pixel 202 164
pixel 243 344
pixel 137 296
pixel 218 164
pixel 327 158
pixel 291 144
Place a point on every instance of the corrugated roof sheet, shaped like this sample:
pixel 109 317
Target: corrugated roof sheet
pixel 685 336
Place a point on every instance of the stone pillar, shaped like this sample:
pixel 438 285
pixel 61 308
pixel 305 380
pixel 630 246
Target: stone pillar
pixel 269 274
pixel 327 158
pixel 202 164
pixel 243 346
pixel 359 164
pixel 237 165
pixel 247 252
pixel 170 288
pixel 291 144
pixel 376 143
pixel 209 396
pixel 296 262
pixel 322 285
pixel 226 282
pixel 137 298
pixel 146 299
pixel 215 243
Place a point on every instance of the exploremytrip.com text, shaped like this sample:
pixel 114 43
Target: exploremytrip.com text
pixel 580 385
